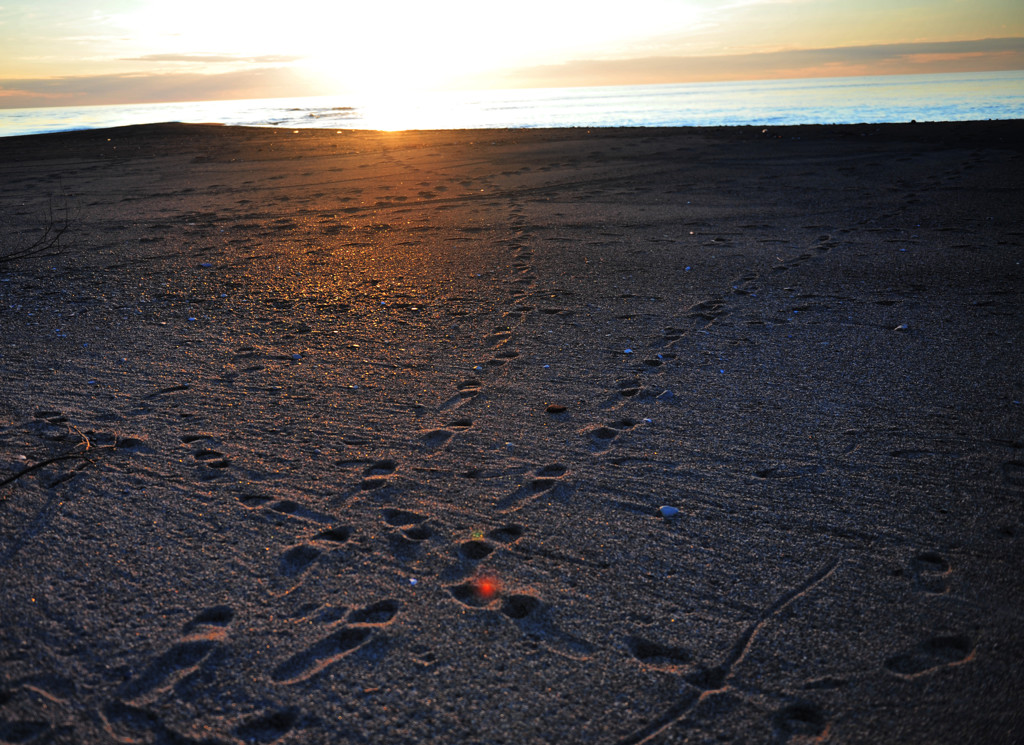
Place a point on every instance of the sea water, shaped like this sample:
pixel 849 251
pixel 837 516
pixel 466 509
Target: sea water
pixel 850 100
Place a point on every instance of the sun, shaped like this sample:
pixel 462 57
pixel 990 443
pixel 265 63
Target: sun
pixel 389 62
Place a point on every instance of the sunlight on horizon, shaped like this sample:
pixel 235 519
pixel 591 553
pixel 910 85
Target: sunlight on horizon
pixel 402 48
pixel 58 52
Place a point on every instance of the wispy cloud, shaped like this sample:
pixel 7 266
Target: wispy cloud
pixel 270 76
pixel 261 82
pixel 267 59
pixel 882 59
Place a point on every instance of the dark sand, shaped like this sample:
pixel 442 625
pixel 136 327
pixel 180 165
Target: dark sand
pixel 303 382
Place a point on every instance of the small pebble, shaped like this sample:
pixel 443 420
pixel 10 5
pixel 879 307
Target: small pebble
pixel 296 357
pixel 667 511
pixel 628 351
pixel 556 409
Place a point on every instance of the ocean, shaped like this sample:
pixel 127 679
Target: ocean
pixel 850 100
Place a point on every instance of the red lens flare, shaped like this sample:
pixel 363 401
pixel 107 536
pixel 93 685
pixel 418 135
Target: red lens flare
pixel 487 587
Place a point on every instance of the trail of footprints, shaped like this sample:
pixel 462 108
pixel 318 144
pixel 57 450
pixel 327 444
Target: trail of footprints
pixel 344 631
pixel 199 651
pixel 929 573
pixel 358 628
pixel 479 591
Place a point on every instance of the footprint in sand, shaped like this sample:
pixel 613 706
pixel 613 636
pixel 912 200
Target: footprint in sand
pixel 602 437
pixel 1013 473
pixel 475 550
pixel 206 455
pixel 548 477
pixel 672 334
pixel 661 656
pixel 413 530
pixel 358 629
pixel 931 654
pixel 291 508
pixel 34 702
pixel 708 310
pixel 498 336
pixel 50 417
pixel 529 613
pixel 930 572
pixel 824 243
pixel 652 363
pixel 628 388
pixel 253 501
pixel 477 593
pixel 789 471
pixel 201 645
pixel 544 479
pixel 436 438
pixel 191 439
pixel 297 560
pixel 507 534
pixel 378 474
pixel 268 727
pixel 502 357
pixel 212 622
pixel 469 388
pixel 335 535
pixel 801 721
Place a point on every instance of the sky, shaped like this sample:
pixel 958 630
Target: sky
pixel 81 52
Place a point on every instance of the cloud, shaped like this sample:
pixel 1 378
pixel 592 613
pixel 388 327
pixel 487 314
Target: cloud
pixel 268 59
pixel 882 59
pixel 12 92
pixel 261 82
pixel 271 76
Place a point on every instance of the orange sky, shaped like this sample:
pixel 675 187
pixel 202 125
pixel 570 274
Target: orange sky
pixel 66 52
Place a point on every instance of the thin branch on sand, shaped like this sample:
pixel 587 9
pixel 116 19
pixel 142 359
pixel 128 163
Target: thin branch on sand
pixel 57 223
pixel 88 448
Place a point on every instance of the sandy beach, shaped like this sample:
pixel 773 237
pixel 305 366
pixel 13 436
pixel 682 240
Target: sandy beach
pixel 365 437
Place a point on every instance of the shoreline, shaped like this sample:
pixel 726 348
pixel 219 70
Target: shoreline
pixel 893 98
pixel 365 436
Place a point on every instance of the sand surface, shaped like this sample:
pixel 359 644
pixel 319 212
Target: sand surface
pixel 340 437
